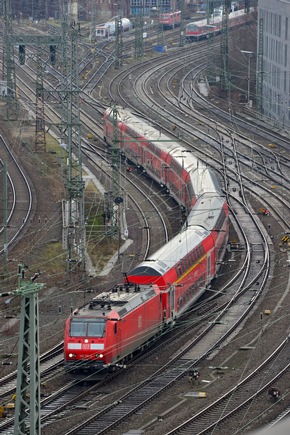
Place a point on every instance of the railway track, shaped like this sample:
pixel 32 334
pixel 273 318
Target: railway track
pixel 19 199
pixel 217 416
pixel 231 155
pixel 226 137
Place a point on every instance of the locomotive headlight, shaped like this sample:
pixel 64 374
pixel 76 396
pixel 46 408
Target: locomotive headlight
pixel 99 355
pixel 72 355
pixel 86 340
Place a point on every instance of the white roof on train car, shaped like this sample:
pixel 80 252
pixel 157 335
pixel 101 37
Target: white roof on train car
pixel 216 18
pixel 172 253
pixel 204 216
pixel 144 128
pixel 202 179
pixel 206 211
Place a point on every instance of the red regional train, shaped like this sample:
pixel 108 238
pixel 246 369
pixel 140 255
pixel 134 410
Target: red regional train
pixel 202 29
pixel 170 20
pixel 109 329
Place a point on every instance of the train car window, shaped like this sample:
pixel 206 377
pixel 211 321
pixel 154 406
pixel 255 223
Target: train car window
pixel 200 251
pixel 96 329
pixel 191 258
pixel 176 168
pixel 115 328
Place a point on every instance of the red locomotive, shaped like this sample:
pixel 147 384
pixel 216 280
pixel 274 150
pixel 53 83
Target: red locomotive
pixel 108 330
pixel 170 20
pixel 112 326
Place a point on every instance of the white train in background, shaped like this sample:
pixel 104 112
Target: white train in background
pixel 108 29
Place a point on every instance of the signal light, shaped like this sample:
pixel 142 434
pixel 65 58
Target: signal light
pixel 22 54
pixel 52 49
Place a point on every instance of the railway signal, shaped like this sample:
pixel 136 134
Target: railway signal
pixel 52 49
pixel 22 54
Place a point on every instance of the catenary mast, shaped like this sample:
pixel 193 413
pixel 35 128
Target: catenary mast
pixel 74 228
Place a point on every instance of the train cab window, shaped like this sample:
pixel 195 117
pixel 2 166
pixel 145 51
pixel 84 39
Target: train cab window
pixel 192 27
pixel 96 329
pixel 78 328
pixel 87 328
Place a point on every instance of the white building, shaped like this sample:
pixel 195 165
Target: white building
pixel 275 58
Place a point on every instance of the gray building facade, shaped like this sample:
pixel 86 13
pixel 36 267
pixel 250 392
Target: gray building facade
pixel 274 53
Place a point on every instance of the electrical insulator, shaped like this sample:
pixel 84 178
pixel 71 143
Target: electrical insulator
pixel 22 54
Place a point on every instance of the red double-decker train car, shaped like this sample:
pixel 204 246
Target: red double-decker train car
pixel 108 330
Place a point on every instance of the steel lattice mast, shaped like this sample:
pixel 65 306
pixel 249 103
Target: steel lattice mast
pixel 260 68
pixel 139 41
pixel 225 76
pixel 40 133
pixel 27 407
pixel 119 40
pixel 12 106
pixel 74 228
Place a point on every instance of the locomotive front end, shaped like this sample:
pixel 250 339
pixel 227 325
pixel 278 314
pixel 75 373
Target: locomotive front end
pixel 84 344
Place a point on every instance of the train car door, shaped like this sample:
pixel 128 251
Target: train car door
pixel 117 340
pixel 142 154
pixel 208 263
pixel 172 302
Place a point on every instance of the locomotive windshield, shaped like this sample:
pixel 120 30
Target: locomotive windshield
pixel 191 27
pixel 87 327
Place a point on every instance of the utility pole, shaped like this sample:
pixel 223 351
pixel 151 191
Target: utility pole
pixel 116 196
pixel 225 81
pixel 40 134
pixel 182 24
pixel 119 40
pixel 260 67
pixel 12 40
pixel 210 41
pixel 139 46
pixel 94 22
pixel 74 227
pixel 12 106
pixel 5 206
pixel 27 408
